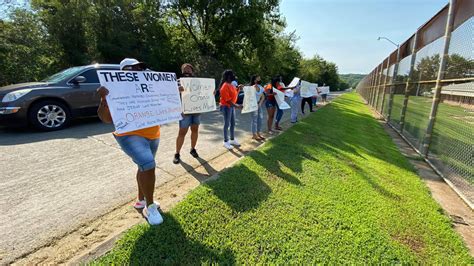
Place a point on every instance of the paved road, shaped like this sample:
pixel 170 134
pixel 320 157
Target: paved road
pixel 53 182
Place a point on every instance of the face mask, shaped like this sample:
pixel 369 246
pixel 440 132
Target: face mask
pixel 258 82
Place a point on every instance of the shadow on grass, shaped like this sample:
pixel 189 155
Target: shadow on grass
pixel 240 188
pixel 168 244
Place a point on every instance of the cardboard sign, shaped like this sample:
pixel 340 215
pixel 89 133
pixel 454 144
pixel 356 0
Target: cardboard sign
pixel 280 98
pixel 305 89
pixel 198 95
pixel 313 89
pixel 324 89
pixel 294 82
pixel 141 99
pixel 250 103
pixel 289 93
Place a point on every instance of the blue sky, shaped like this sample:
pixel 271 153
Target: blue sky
pixel 345 31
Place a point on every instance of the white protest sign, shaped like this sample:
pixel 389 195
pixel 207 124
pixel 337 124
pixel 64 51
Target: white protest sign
pixel 280 98
pixel 289 93
pixel 305 90
pixel 250 103
pixel 198 95
pixel 141 99
pixel 313 89
pixel 294 82
pixel 324 89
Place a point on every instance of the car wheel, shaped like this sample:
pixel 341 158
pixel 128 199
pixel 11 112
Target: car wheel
pixel 49 115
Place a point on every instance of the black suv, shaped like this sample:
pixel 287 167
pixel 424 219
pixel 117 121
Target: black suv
pixel 52 103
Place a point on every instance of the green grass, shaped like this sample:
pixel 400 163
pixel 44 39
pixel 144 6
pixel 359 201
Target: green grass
pixel 331 189
pixel 453 133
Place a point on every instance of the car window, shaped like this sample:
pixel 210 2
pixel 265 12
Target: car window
pixel 91 76
pixel 70 72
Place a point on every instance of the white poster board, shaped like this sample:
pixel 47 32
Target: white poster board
pixel 141 99
pixel 250 103
pixel 305 90
pixel 313 89
pixel 324 89
pixel 294 82
pixel 198 95
pixel 289 93
pixel 280 98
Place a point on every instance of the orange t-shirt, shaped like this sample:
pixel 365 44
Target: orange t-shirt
pixel 269 92
pixel 280 87
pixel 228 93
pixel 149 132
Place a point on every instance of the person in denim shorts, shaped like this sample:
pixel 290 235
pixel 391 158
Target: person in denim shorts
pixel 141 146
pixel 189 121
pixel 270 103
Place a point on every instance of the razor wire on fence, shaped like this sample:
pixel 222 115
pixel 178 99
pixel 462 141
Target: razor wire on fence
pixel 425 90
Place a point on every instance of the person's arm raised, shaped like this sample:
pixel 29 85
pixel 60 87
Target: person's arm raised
pixel 103 112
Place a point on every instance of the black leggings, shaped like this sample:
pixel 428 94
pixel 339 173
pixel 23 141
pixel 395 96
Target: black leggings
pixel 310 103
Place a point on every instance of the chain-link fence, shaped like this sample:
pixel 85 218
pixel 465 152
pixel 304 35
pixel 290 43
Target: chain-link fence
pixel 425 90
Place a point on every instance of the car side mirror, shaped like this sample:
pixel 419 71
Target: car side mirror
pixel 79 79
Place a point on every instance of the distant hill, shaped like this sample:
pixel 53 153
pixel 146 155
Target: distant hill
pixel 352 79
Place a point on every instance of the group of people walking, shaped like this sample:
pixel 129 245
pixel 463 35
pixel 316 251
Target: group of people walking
pixel 141 145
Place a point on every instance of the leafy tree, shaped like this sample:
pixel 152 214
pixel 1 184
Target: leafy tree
pixel 351 79
pixel 320 71
pixel 65 21
pixel 25 53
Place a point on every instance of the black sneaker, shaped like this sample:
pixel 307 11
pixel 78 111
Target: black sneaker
pixel 176 159
pixel 194 153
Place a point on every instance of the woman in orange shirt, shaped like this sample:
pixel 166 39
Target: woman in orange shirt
pixel 228 103
pixel 141 146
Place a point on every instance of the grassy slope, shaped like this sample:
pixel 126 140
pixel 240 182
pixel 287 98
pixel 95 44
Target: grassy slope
pixel 333 188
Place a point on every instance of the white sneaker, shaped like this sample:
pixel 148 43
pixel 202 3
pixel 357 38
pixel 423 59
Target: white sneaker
pixel 234 142
pixel 140 204
pixel 152 214
pixel 228 146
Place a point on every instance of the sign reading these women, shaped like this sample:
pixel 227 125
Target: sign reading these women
pixel 198 95
pixel 141 99
pixel 250 103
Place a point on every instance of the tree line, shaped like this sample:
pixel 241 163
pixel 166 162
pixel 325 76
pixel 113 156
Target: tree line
pixel 45 36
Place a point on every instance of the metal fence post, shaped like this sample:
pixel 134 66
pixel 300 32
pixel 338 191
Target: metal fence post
pixel 392 86
pixel 377 84
pixel 379 88
pixel 372 89
pixel 407 84
pixel 442 69
pixel 372 86
pixel 385 86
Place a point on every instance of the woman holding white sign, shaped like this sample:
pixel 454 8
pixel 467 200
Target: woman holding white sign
pixel 189 121
pixel 141 146
pixel 228 103
pixel 295 103
pixel 257 116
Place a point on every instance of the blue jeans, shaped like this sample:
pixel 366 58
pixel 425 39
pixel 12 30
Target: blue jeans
pixel 229 121
pixel 140 149
pixel 315 100
pixel 189 120
pixel 279 115
pixel 295 105
pixel 257 118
